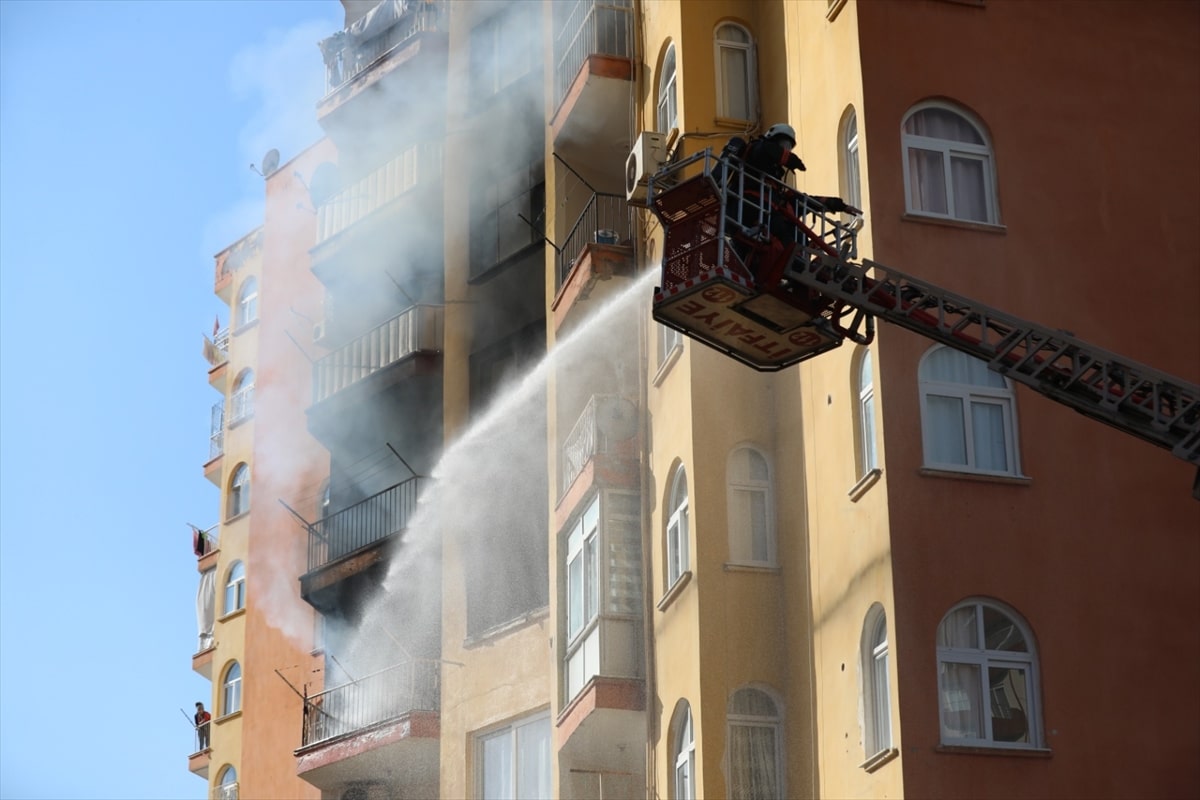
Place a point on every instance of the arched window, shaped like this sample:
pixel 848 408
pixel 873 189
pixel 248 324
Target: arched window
pixel 231 690
pixel 235 588
pixel 243 397
pixel 877 708
pixel 868 456
pixel 677 529
pixel 987 677
pixel 239 491
pixel 755 725
pixel 247 307
pixel 852 188
pixel 684 751
pixel 737 93
pixel 668 112
pixel 968 418
pixel 227 785
pixel 751 508
pixel 948 169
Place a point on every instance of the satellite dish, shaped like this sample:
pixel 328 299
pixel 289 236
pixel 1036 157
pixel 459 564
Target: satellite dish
pixel 616 418
pixel 270 162
pixel 325 183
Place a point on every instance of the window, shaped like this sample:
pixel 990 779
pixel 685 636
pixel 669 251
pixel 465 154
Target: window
pixel 515 761
pixel 668 113
pixel 877 709
pixel 751 515
pixel 868 455
pixel 227 786
pixel 967 414
pixel 987 678
pixel 948 169
pixel 677 529
pixel 502 50
pixel 668 340
pixel 736 92
pixel 685 755
pixel 853 184
pixel 235 588
pixel 583 571
pixel 248 302
pixel 242 401
pixel 239 491
pixel 507 216
pixel 755 771
pixel 231 690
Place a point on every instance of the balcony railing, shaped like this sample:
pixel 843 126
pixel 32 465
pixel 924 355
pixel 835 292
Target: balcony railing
pixel 388 27
pixel 226 791
pixel 606 219
pixel 241 405
pixel 216 431
pixel 417 329
pixel 377 698
pixel 420 164
pixel 216 349
pixel 366 522
pixel 594 432
pixel 589 27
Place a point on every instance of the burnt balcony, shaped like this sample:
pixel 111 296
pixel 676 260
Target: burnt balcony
pixel 598 248
pixel 410 337
pixel 593 68
pixel 603 443
pixel 385 725
pixel 350 541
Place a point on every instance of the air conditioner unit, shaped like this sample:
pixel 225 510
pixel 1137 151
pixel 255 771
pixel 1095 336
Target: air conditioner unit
pixel 319 332
pixel 648 154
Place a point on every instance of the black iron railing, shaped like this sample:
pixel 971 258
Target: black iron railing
pixel 607 219
pixel 377 698
pixel 347 56
pixel 366 522
pixel 586 28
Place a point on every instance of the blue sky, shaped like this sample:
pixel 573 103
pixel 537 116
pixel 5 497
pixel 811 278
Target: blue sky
pixel 126 131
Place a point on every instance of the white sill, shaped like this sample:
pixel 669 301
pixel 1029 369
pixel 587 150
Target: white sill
pixel 675 590
pixel 951 222
pixel 879 759
pixel 985 750
pixel 983 477
pixel 864 483
pixel 238 516
pixel 668 362
pixel 222 720
pixel 232 615
pixel 248 326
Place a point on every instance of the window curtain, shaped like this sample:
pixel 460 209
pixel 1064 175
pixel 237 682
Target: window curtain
pixel 533 761
pixel 753 773
pixel 206 601
pixel 961 701
pixel 497 768
pixel 970 188
pixel 735 79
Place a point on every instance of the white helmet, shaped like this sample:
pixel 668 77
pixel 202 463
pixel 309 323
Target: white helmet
pixel 781 129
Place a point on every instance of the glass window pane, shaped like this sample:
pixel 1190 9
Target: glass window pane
pixel 592 588
pixel 882 711
pixel 870 457
pixel 752 703
pixel 927 181
pixel 735 77
pixel 942 123
pixel 575 596
pixel 1010 697
pixel 946 435
pixel 959 629
pixel 960 690
pixel 970 189
pixel 987 435
pixel 497 768
pixel 753 762
pixel 533 761
pixel 760 545
pixel 1001 633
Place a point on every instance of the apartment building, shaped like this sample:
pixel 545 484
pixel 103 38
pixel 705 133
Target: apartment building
pixel 512 538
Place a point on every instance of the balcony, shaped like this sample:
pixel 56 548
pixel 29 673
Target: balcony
pixel 382 727
pixel 232 259
pixel 404 339
pixel 226 791
pixel 216 353
pixel 347 542
pixel 593 49
pixel 598 248
pixel 602 443
pixel 394 33
pixel 198 762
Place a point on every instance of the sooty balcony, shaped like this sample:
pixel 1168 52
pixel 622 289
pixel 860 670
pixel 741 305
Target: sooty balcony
pixel 352 540
pixel 600 450
pixel 598 248
pixel 383 727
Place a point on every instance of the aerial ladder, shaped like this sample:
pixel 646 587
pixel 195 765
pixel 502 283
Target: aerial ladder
pixel 731 280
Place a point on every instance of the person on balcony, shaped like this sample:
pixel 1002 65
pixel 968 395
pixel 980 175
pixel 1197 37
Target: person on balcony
pixel 202 719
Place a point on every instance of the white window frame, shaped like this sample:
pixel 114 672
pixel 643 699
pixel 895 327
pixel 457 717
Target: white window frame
pixel 677 539
pixel 950 150
pixel 984 659
pixel 669 340
pixel 853 167
pixel 969 394
pixel 725 91
pixel 741 540
pixel 868 441
pixel 248 302
pixel 683 776
pixel 227 786
pixel 239 491
pixel 513 732
pixel 876 683
pixel 231 689
pixel 235 585
pixel 583 548
pixel 773 722
pixel 667 114
pixel 242 400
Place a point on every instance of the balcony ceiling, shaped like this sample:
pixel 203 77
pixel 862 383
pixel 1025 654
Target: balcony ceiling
pixel 591 128
pixel 392 754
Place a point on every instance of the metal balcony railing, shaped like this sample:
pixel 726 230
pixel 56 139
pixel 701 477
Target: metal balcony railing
pixel 589 27
pixel 216 349
pixel 366 522
pixel 377 698
pixel 606 219
pixel 216 431
pixel 350 52
pixel 420 164
pixel 226 791
pixel 416 329
pixel 593 433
